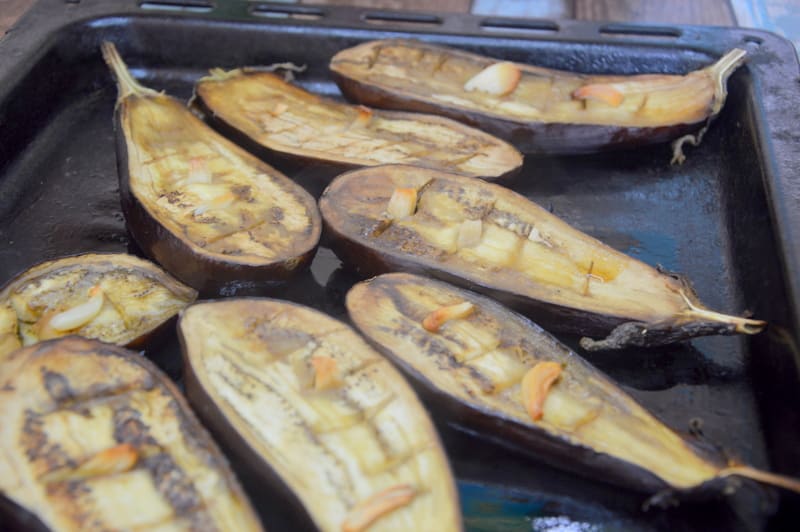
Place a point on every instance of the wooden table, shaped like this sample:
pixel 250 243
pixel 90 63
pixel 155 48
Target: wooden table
pixel 714 12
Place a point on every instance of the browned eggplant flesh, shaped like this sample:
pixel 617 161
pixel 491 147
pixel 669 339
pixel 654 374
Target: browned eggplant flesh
pixel 114 297
pixel 94 437
pixel 205 209
pixel 478 234
pixel 279 116
pixel 510 381
pixel 298 394
pixel 538 109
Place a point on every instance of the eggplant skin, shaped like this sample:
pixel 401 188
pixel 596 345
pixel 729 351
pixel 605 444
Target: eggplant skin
pixel 520 254
pixel 95 436
pixel 485 400
pixel 322 451
pixel 208 274
pixel 543 111
pixel 213 215
pixel 529 138
pixel 445 144
pixel 140 300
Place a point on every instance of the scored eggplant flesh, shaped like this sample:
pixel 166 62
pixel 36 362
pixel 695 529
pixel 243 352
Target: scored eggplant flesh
pixel 279 116
pixel 323 410
pixel 113 297
pixel 206 210
pixel 474 233
pixel 537 109
pixel 96 437
pixel 474 368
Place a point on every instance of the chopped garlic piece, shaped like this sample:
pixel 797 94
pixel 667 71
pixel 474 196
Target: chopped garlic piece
pixel 536 384
pixel 402 203
pixel 438 317
pixel 498 79
pixel 370 510
pixel 600 92
pixel 79 315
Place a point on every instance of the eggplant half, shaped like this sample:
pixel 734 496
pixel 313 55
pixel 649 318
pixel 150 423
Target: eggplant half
pixel 95 437
pixel 539 110
pixel 305 403
pixel 261 110
pixel 209 212
pixel 113 297
pixel 490 239
pixel 503 377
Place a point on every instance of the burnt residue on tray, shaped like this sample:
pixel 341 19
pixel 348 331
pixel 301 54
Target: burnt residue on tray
pixel 709 218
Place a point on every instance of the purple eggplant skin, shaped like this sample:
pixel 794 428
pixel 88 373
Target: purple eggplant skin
pixel 353 208
pixel 528 440
pixel 146 341
pixel 276 504
pixel 528 137
pixel 323 170
pixel 15 517
pixel 210 276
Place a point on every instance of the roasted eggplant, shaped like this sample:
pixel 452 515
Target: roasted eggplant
pixel 113 297
pixel 210 213
pixel 484 236
pixel 261 110
pixel 539 110
pixel 503 377
pixel 294 393
pixel 95 437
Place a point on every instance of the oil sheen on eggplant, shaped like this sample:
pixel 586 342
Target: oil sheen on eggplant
pixel 473 367
pixel 95 437
pixel 209 212
pixel 265 111
pixel 113 297
pixel 490 239
pixel 294 393
pixel 536 109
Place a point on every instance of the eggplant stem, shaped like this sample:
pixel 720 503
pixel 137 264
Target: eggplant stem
pixel 126 84
pixel 742 325
pixel 720 72
pixel 765 477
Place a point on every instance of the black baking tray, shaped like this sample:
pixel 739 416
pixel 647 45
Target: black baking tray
pixel 729 217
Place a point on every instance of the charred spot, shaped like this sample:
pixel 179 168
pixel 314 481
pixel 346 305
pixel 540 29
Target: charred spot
pixel 276 213
pixel 57 386
pixel 243 192
pixel 486 384
pixel 172 483
pixel 38 447
pixel 129 428
pixel 173 197
pixel 71 489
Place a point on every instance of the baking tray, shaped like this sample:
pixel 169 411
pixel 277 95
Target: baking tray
pixel 729 217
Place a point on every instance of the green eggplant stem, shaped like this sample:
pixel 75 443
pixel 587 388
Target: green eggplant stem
pixel 127 84
pixel 742 325
pixel 720 72
pixel 765 477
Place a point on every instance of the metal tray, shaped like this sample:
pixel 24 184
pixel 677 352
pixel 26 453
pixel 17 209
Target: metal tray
pixel 729 218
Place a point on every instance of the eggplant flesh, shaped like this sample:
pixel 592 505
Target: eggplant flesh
pixel 95 437
pixel 477 366
pixel 487 237
pixel 544 110
pixel 336 433
pixel 206 210
pixel 113 297
pixel 274 114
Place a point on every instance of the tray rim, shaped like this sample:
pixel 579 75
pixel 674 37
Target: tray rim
pixel 774 124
